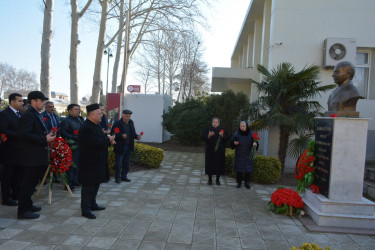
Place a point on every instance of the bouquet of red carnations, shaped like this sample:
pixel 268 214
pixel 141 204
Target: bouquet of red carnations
pixel 285 201
pixel 60 157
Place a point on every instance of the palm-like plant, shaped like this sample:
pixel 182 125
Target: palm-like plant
pixel 286 101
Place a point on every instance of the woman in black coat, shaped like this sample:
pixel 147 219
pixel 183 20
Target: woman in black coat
pixel 215 138
pixel 243 142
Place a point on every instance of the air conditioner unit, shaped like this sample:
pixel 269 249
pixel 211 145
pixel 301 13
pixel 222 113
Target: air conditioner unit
pixel 338 50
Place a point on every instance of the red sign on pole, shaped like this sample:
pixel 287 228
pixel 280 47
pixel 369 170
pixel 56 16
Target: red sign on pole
pixel 134 88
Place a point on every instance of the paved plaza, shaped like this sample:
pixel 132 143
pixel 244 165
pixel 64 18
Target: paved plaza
pixel 167 208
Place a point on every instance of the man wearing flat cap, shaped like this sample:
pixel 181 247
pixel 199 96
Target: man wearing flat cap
pixel 125 135
pixel 34 138
pixel 93 145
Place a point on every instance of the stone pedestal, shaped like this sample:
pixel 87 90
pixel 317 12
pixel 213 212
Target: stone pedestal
pixel 340 155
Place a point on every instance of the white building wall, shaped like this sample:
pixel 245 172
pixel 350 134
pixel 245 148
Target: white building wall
pixel 147 115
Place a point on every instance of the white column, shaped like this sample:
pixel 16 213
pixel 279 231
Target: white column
pixel 250 45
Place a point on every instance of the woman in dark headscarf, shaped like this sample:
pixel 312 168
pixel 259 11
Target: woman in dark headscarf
pixel 215 138
pixel 243 142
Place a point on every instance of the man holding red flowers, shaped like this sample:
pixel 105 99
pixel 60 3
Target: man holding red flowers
pixel 125 135
pixel 69 131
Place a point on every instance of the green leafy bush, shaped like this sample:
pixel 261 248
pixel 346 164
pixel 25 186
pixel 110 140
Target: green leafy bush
pixel 267 169
pixel 187 121
pixel 143 155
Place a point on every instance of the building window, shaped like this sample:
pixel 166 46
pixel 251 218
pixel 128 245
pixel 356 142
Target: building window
pixel 362 74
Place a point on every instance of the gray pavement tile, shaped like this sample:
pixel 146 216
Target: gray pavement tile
pixel 206 240
pixel 29 236
pixel 340 239
pixel 8 234
pixel 296 239
pixel 228 242
pixel 178 237
pixel 133 233
pixel 12 244
pixel 252 243
pixel 270 235
pixel 126 244
pixel 87 230
pixel 201 247
pixel 177 246
pixel 6 222
pixel 52 238
pixel 65 228
pixel 76 240
pixel 21 224
pixel 363 239
pixel 42 227
pixel 39 246
pixel 226 232
pixel 158 236
pixel 146 245
pixel 277 244
pixel 101 242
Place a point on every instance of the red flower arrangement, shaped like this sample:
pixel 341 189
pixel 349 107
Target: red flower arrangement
pixel 285 201
pixel 76 132
pixel 4 137
pixel 315 189
pixel 45 119
pixel 256 136
pixel 117 130
pixel 333 115
pixel 141 133
pixel 109 125
pixel 60 155
pixel 256 139
pixel 304 171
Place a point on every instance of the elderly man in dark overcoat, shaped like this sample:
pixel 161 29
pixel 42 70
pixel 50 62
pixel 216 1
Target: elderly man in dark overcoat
pixel 93 145
pixel 124 131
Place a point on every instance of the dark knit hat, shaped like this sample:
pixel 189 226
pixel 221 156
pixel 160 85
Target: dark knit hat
pixel 127 112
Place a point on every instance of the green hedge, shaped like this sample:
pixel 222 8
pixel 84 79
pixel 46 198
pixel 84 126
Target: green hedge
pixel 267 169
pixel 143 155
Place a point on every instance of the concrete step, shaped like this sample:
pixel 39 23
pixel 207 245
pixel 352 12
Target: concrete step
pixel 370 173
pixel 369 189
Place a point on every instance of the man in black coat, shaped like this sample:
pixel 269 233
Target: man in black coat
pixel 69 129
pixel 34 139
pixel 50 118
pixel 125 134
pixel 93 159
pixel 9 125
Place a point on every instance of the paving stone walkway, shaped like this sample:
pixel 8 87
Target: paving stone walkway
pixel 167 208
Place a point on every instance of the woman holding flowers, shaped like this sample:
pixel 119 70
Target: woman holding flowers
pixel 215 137
pixel 243 142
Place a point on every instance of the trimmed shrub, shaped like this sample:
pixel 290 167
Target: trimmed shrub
pixel 267 169
pixel 143 155
pixel 146 155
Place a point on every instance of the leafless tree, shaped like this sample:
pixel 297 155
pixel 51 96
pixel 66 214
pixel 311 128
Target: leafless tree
pixel 7 77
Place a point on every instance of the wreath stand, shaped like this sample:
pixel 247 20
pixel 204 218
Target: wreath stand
pixel 49 188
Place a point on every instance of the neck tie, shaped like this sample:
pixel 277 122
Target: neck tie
pixel 18 114
pixel 53 121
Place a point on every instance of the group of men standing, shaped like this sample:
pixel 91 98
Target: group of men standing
pixel 25 150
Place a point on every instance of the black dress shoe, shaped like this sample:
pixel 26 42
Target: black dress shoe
pixel 97 208
pixel 89 215
pixel 218 182
pixel 238 185
pixel 118 181
pixel 247 185
pixel 10 202
pixel 126 179
pixel 209 182
pixel 28 215
pixel 35 208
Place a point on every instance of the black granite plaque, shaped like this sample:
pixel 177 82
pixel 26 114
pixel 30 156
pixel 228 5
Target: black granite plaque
pixel 323 150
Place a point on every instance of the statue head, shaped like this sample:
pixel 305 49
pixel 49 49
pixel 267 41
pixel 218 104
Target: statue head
pixel 343 73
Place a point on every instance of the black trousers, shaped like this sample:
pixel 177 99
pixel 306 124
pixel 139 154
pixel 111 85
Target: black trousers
pixel 11 181
pixel 243 177
pixel 88 197
pixel 29 182
pixel 217 177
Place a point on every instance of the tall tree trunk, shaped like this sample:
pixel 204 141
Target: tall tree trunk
pixel 74 42
pixel 74 53
pixel 45 52
pixel 118 49
pixel 97 80
pixel 283 145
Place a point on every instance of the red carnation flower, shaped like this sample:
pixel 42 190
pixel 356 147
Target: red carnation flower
pixel 222 130
pixel 76 132
pixel 109 125
pixel 256 136
pixel 54 129
pixel 315 189
pixel 44 119
pixel 141 133
pixel 333 115
pixel 117 130
pixel 4 137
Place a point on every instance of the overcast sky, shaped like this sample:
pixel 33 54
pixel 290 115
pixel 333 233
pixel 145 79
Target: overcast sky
pixel 21 28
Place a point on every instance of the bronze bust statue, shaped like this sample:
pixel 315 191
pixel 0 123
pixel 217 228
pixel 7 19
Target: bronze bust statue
pixel 345 96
